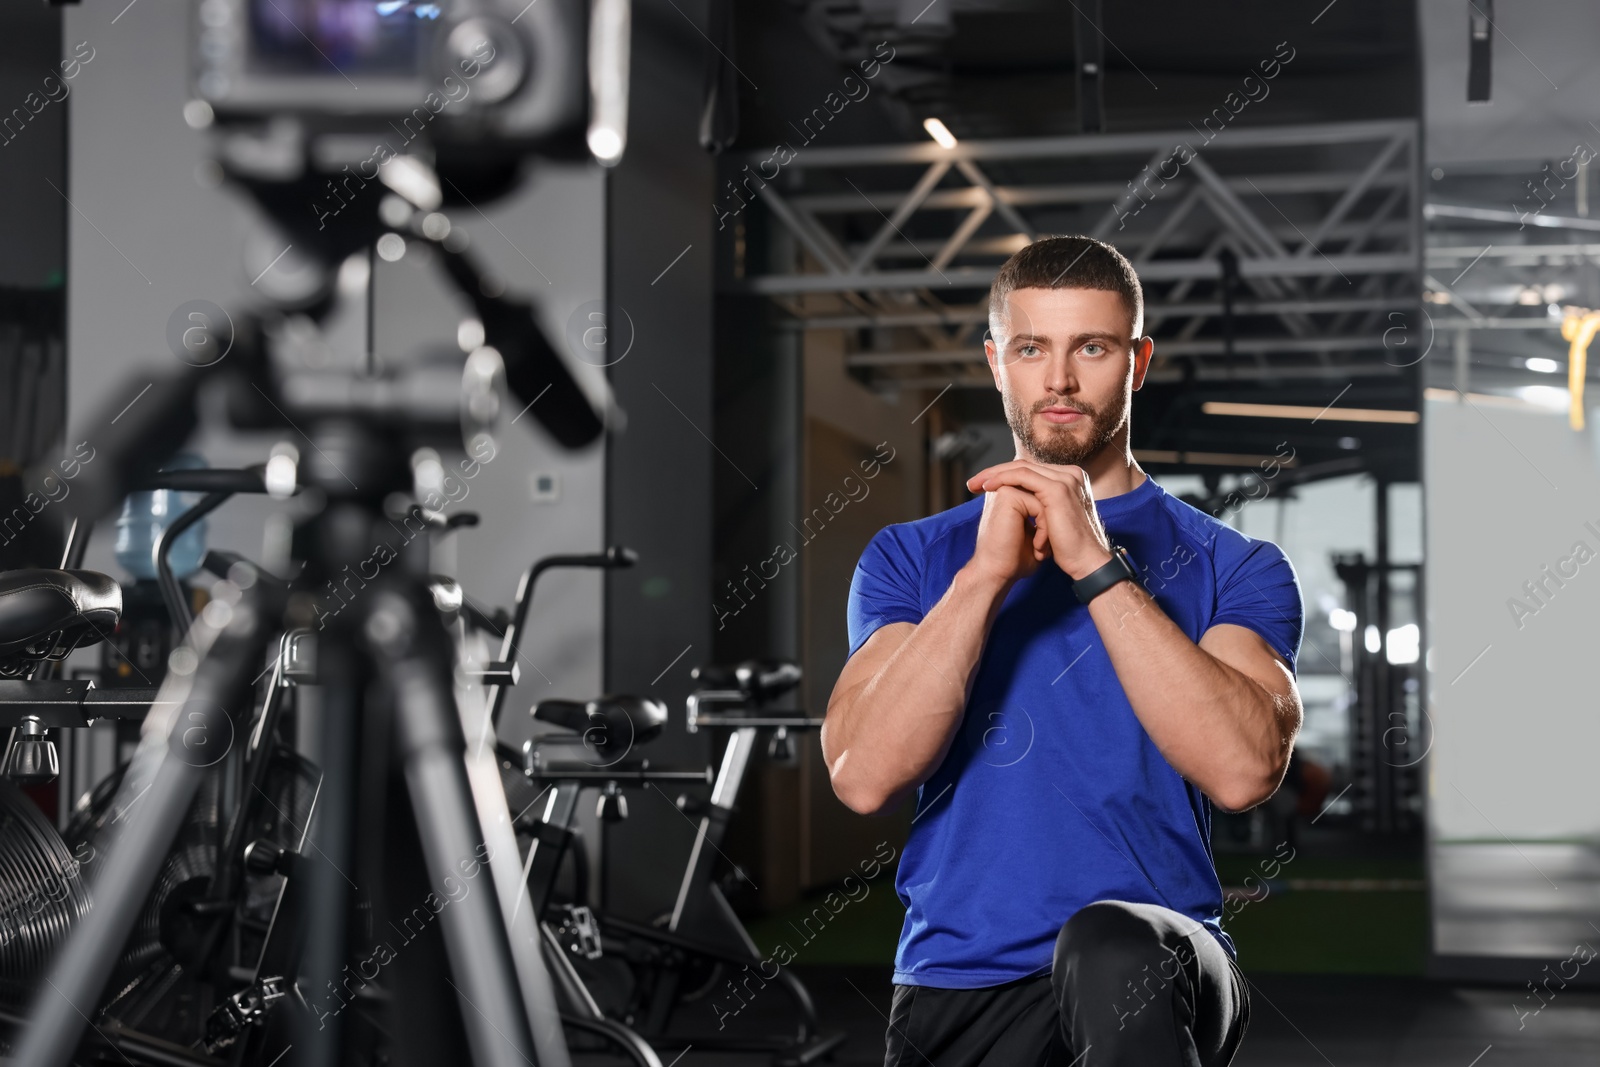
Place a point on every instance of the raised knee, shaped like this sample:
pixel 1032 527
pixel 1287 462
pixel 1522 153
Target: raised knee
pixel 1106 928
pixel 1108 939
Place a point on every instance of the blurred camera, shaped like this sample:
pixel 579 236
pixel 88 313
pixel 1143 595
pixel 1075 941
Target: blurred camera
pixel 507 72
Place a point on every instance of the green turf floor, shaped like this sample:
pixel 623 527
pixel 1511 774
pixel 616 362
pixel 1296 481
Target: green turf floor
pixel 1288 930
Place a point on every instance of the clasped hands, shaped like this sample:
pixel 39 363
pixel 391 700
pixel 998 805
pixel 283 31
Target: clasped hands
pixel 1066 526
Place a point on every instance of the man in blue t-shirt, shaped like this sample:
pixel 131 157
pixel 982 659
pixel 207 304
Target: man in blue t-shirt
pixel 1063 677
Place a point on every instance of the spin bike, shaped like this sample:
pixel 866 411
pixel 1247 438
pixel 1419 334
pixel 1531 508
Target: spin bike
pixel 679 958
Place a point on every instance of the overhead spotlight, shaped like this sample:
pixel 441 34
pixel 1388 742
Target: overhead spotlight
pixel 1542 365
pixel 1530 297
pixel 939 132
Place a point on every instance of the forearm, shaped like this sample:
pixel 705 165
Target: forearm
pixel 1218 727
pixel 887 736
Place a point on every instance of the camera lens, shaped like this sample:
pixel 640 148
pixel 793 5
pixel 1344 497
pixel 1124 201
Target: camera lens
pixel 491 49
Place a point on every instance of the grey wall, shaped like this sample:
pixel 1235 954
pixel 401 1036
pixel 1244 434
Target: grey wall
pixel 1513 825
pixel 1545 87
pixel 149 234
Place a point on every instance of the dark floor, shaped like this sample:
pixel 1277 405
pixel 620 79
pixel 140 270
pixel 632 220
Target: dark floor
pixel 1298 1020
pixel 1334 942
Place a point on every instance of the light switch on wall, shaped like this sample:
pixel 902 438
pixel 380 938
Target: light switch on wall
pixel 544 487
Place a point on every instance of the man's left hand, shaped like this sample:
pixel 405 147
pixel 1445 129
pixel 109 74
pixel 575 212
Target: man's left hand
pixel 1069 531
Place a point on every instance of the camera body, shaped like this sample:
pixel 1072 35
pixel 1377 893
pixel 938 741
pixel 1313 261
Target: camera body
pixel 504 72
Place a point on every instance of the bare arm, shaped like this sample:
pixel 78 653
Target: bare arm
pixel 900 698
pixel 1223 712
pixel 899 701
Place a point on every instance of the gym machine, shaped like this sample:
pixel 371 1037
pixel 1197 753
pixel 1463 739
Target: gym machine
pixel 643 974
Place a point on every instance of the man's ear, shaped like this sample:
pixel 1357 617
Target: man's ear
pixel 990 353
pixel 1143 350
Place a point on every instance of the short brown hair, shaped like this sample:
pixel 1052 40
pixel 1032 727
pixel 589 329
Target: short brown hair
pixel 1074 262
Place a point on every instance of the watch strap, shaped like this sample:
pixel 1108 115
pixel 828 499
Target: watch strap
pixel 1120 568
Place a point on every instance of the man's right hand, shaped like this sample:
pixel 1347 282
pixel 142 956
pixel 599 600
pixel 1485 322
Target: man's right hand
pixel 1007 546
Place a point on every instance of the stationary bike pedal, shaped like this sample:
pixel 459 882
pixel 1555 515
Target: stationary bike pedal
pixel 580 932
pixel 244 1009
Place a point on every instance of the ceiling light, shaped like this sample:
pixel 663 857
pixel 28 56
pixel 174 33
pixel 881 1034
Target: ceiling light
pixel 1295 411
pixel 1542 365
pixel 939 132
pixel 1544 396
pixel 1530 297
pixel 1402 644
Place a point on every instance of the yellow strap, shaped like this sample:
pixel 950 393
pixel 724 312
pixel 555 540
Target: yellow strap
pixel 1579 329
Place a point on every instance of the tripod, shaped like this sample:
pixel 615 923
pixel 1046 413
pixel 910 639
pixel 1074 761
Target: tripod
pixel 392 637
pixel 390 728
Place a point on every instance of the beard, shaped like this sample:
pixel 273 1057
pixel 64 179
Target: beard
pixel 1066 445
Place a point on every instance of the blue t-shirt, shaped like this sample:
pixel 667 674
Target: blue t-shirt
pixel 1052 794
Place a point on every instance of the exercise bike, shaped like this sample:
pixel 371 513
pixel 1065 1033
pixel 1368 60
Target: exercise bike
pixel 207 917
pixel 641 975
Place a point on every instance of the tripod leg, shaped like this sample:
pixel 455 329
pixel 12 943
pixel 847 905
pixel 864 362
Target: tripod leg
pixel 518 905
pixel 190 727
pixel 415 658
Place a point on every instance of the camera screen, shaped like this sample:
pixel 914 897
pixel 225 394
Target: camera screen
pixel 334 37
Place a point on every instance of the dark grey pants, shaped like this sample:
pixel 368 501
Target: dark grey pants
pixel 1131 985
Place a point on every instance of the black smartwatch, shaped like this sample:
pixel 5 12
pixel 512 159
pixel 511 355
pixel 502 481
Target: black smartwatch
pixel 1119 569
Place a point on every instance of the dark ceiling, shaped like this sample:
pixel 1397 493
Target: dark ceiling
pixel 1008 69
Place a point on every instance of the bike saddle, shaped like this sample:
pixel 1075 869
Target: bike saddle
pixel 611 724
pixel 45 614
pixel 758 680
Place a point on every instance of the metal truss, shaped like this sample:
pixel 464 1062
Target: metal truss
pixel 1266 252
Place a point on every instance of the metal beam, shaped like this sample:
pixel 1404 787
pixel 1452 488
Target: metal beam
pixel 1002 208
pixel 1518 255
pixel 819 242
pixel 1249 373
pixel 1521 218
pixel 891 225
pixel 1104 144
pixel 1160 270
pixel 1002 246
pixel 830 203
pixel 1332 305
pixel 1203 346
pixel 957 316
pixel 1350 197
